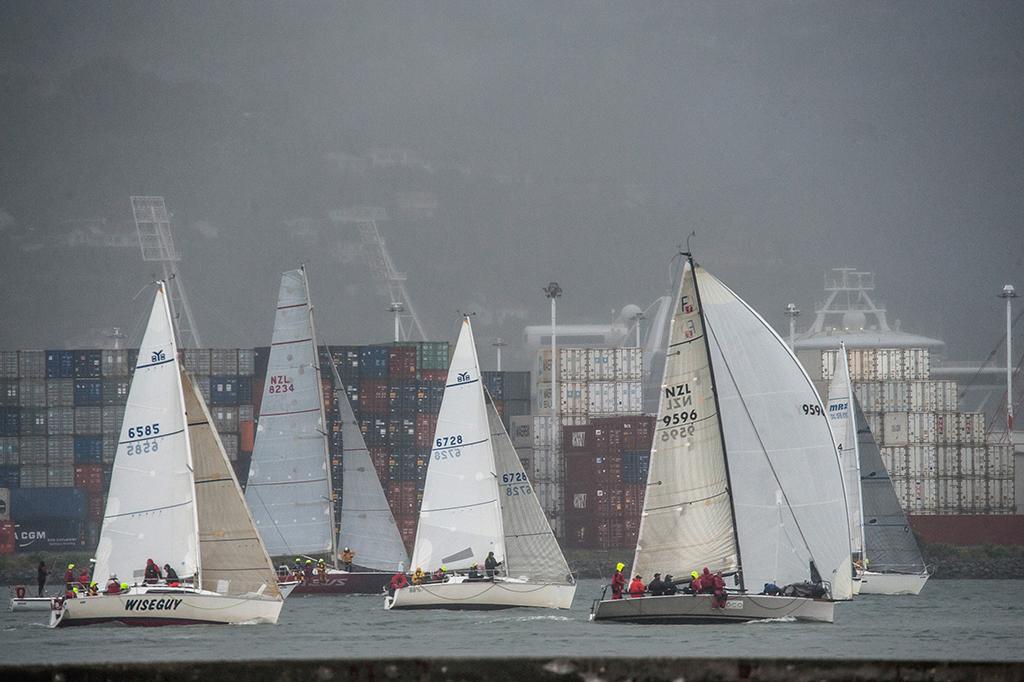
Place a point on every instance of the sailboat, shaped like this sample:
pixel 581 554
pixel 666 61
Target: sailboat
pixel 477 499
pixel 290 490
pixel 744 477
pixel 840 418
pixel 893 559
pixel 173 496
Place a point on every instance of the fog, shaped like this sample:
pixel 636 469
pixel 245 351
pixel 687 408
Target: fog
pixel 511 144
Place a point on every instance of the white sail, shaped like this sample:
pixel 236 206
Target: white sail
pixel 233 558
pixel 687 520
pixel 460 518
pixel 367 523
pixel 787 483
pixel 840 417
pixel 531 550
pixel 150 512
pixel 289 488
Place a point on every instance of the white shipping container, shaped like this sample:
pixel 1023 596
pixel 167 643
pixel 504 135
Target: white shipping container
pixel 601 398
pixel 947 427
pixel 921 427
pixel 1000 460
pixel 60 450
pixel 572 364
pixel 922 396
pixel 948 495
pixel 629 364
pixel 246 362
pixel 827 364
pixel 60 392
pixel 869 395
pixel 973 456
pixel 543 398
pixel 916 363
pixel 947 460
pixel 922 495
pixel 921 461
pixel 894 427
pixel 1000 495
pixel 32 393
pixel 899 484
pixel 629 397
pixel 863 364
pixel 60 421
pixel 600 364
pixel 573 396
pixel 32 364
pixel 225 419
pixel 888 364
pixel 972 427
pixel 947 397
pixel 543 366
pixel 521 430
pixel 875 421
pixel 895 396
pixel 113 415
pixel 115 363
pixel 973 494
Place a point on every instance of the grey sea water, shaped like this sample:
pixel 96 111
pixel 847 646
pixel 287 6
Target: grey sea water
pixel 975 620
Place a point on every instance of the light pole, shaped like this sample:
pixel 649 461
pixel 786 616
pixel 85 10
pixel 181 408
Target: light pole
pixel 792 312
pixel 553 291
pixel 397 308
pixel 636 319
pixel 1009 294
pixel 498 344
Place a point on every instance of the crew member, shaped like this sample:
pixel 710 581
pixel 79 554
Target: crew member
pixel 695 583
pixel 718 589
pixel 69 578
pixel 636 588
pixel 321 571
pixel 618 581
pixel 152 575
pixel 307 571
pixel 439 575
pixel 83 579
pixel 490 565
pixel 418 576
pixel 707 582
pixel 398 581
pixel 113 586
pixel 656 586
pixel 474 572
pixel 171 576
pixel 41 574
pixel 94 589
pixel 347 557
pixel 668 587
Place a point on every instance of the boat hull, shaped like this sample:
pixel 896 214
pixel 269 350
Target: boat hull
pixel 482 595
pixel 143 607
pixel 856 585
pixel 892 583
pixel 32 604
pixel 699 609
pixel 342 582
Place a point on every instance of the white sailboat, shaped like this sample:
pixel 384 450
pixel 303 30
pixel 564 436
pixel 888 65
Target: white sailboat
pixel 477 499
pixel 744 478
pixel 840 417
pixel 290 490
pixel 174 497
pixel 893 559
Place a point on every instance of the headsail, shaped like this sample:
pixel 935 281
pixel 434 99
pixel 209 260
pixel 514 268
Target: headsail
pixel 531 549
pixel 367 523
pixel 687 520
pixel 289 488
pixel 889 542
pixel 786 479
pixel 234 560
pixel 150 512
pixel 840 418
pixel 460 519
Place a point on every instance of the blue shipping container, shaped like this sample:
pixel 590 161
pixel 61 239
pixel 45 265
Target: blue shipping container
pixel 88 392
pixel 60 364
pixel 224 390
pixel 634 466
pixel 10 421
pixel 244 390
pixel 373 361
pixel 88 449
pixel 47 533
pixel 10 476
pixel 47 503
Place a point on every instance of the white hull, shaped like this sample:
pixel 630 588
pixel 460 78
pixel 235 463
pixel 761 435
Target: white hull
pixel 856 585
pixel 166 606
pixel 690 609
pixel 892 583
pixel 287 587
pixel 482 595
pixel 32 604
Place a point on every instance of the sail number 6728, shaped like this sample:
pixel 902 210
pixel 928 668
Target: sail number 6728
pixel 448 441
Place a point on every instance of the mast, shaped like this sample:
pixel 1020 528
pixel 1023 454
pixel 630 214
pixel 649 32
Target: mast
pixel 718 409
pixel 323 421
pixel 856 452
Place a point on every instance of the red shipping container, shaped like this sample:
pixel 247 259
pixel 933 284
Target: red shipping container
pixel 380 456
pixel 95 505
pixel 257 394
pixel 578 439
pixel 402 362
pixel 373 396
pixel 89 477
pixel 246 435
pixel 434 376
pixel 7 537
pixel 426 424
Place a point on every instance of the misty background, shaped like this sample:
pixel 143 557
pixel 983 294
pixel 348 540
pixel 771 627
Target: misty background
pixel 511 144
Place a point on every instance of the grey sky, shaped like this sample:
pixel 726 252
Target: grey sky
pixel 574 141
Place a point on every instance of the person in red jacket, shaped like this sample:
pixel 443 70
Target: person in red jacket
pixel 398 581
pixel 83 578
pixel 637 588
pixel 707 582
pixel 718 589
pixel 695 583
pixel 69 578
pixel 618 581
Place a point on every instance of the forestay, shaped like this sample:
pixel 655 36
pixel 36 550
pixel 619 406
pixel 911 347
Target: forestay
pixel 840 418
pixel 786 479
pixel 531 550
pixel 460 518
pixel 367 524
pixel 150 512
pixel 687 521
pixel 233 558
pixel 889 543
pixel 289 490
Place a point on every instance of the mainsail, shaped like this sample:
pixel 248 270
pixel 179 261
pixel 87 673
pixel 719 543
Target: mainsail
pixel 289 488
pixel 687 520
pixel 367 523
pixel 889 543
pixel 234 560
pixel 787 484
pixel 840 417
pixel 150 511
pixel 531 550
pixel 460 518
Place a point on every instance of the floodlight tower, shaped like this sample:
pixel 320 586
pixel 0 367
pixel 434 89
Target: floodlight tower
pixel 792 312
pixel 366 218
pixel 154 227
pixel 1009 293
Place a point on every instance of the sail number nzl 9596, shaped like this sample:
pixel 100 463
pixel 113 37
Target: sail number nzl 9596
pixel 447 447
pixel 146 435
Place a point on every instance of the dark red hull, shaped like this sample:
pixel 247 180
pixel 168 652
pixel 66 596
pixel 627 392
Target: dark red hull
pixel 371 582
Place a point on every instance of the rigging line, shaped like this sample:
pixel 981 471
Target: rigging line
pixel 764 449
pixel 991 356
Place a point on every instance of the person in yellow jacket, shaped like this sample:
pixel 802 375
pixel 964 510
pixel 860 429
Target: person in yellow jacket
pixel 418 576
pixel 347 557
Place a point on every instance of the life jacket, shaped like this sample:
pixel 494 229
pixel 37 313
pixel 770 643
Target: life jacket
pixel 636 588
pixel 398 580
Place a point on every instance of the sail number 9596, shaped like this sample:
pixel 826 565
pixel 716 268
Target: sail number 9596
pixel 811 410
pixel 679 418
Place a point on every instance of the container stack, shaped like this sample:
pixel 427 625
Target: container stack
pixel 60 420
pixel 938 457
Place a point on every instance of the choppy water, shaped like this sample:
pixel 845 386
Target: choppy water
pixel 950 620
